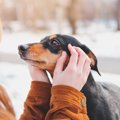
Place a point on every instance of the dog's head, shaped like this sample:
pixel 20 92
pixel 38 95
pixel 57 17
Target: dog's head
pixel 45 53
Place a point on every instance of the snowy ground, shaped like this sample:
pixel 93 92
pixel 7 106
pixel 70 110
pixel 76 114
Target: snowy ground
pixel 103 44
pixel 16 80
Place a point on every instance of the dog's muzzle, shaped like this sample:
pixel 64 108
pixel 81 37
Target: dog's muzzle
pixel 23 50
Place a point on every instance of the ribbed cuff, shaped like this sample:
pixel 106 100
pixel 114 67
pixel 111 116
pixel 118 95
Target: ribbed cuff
pixel 67 90
pixel 68 96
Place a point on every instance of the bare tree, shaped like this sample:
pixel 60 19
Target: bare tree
pixel 72 16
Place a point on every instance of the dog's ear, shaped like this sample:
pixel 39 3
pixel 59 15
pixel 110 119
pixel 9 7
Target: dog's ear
pixel 92 58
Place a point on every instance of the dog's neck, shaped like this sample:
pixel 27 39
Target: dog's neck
pixel 51 73
pixel 90 87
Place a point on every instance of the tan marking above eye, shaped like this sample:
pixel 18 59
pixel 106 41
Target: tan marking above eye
pixel 52 36
pixel 92 58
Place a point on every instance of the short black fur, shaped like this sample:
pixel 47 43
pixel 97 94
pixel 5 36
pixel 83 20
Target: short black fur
pixel 64 40
pixel 103 100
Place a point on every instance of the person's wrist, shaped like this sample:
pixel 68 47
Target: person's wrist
pixel 75 86
pixel 40 77
pixel 41 80
pixel 38 74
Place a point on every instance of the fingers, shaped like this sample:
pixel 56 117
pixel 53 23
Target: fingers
pixel 78 59
pixel 60 63
pixel 86 68
pixel 33 68
pixel 73 57
pixel 83 63
pixel 81 58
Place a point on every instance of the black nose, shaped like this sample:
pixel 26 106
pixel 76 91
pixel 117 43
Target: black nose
pixel 23 48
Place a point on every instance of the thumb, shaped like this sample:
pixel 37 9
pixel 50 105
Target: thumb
pixel 60 63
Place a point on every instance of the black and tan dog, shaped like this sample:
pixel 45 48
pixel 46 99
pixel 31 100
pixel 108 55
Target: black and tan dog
pixel 103 100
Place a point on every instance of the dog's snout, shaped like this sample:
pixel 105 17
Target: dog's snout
pixel 23 48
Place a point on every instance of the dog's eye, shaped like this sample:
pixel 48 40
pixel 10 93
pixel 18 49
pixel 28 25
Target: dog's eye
pixel 55 42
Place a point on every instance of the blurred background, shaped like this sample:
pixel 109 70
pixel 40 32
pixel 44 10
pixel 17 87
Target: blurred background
pixel 95 23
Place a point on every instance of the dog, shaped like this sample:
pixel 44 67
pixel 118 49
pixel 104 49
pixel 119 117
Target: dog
pixel 103 99
pixel 6 108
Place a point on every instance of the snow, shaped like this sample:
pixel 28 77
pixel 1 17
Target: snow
pixel 16 80
pixel 103 44
pixel 107 77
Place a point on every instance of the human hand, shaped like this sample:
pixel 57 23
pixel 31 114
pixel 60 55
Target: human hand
pixel 76 73
pixel 37 74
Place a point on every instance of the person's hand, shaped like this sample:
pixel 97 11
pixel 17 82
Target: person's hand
pixel 76 73
pixel 37 74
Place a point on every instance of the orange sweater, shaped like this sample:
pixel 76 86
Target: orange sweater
pixel 56 103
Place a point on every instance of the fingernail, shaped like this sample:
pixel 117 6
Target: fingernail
pixel 88 59
pixel 63 52
pixel 69 45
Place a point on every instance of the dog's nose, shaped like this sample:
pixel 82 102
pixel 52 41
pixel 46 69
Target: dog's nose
pixel 23 48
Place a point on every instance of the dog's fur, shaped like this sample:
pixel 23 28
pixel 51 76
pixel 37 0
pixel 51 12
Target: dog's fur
pixel 103 100
pixel 6 109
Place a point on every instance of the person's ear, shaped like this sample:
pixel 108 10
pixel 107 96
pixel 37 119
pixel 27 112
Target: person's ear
pixel 92 58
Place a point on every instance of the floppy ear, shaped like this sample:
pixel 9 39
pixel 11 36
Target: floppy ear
pixel 92 58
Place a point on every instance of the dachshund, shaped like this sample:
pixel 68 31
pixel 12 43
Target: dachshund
pixel 103 99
